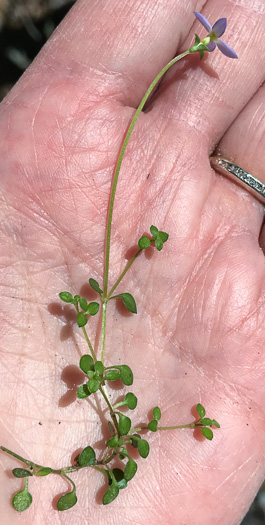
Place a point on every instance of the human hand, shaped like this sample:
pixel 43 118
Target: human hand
pixel 198 335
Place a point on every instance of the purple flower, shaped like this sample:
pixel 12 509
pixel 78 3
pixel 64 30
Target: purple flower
pixel 214 32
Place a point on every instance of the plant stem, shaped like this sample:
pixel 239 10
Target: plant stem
pixel 114 187
pixel 103 333
pixel 119 162
pixel 89 344
pixel 103 391
pixel 87 338
pixel 128 265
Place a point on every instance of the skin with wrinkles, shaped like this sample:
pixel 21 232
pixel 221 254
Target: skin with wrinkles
pixel 199 333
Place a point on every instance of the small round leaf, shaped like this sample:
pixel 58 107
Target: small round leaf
pixel 83 392
pixel 112 375
pixel 126 375
pixel 93 385
pixel 92 308
pixel 87 457
pixel 206 421
pixel 83 303
pixel 99 367
pixel 163 236
pixel 154 231
pixel 130 401
pixel 207 433
pixel 152 425
pixel 22 500
pixel 130 469
pixel 119 477
pixel 124 424
pixel 143 448
pixel 94 284
pixel 66 297
pixel 129 301
pixel 86 363
pixel 110 494
pixel 44 471
pixel 21 473
pixel 81 319
pixel 144 242
pixel 67 501
pixel 135 440
pixel 200 409
pixel 215 423
pixel 157 413
pixel 158 244
pixel 113 442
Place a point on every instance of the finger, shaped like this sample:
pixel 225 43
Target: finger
pixel 243 144
pixel 115 48
pixel 208 100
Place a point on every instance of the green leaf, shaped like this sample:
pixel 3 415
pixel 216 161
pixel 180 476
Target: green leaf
pixel 130 469
pixel 81 319
pixel 87 457
pixel 94 284
pixel 135 440
pixel 130 401
pixel 154 231
pixel 124 425
pixel 112 375
pixel 206 421
pixel 143 448
pixel 215 423
pixel 83 392
pixel 93 385
pixel 152 425
pixel 21 473
pixel 201 53
pixel 66 297
pixel 22 500
pixel 207 432
pixel 92 308
pixel 110 494
pixel 44 471
pixel 113 442
pixel 119 477
pixel 111 428
pixel 163 236
pixel 126 374
pixel 144 242
pixel 67 501
pixel 200 409
pixel 157 413
pixel 83 303
pixel 129 302
pixel 197 39
pixel 86 363
pixel 99 367
pixel 158 244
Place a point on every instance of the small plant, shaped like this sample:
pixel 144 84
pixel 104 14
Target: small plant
pixel 123 432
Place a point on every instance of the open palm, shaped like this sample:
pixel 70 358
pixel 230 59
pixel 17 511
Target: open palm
pixel 199 332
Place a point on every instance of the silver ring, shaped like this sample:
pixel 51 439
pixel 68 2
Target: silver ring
pixel 243 177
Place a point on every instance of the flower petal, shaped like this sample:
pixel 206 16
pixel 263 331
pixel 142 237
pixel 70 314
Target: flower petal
pixel 226 49
pixel 220 26
pixel 211 46
pixel 203 21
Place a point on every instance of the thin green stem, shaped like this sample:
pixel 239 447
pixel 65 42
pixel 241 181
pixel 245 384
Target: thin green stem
pixel 119 162
pixel 87 338
pixel 113 192
pixel 127 267
pixel 103 333
pixel 89 344
pixel 113 416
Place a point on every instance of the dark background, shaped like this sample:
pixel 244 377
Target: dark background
pixel 25 25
